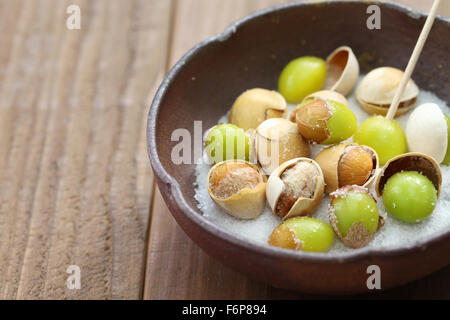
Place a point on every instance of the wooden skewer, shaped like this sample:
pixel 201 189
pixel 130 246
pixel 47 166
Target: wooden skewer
pixel 413 60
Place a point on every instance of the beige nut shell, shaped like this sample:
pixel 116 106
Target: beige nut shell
pixel 413 161
pixel 343 70
pixel 312 120
pixel 327 95
pixel 248 203
pixel 377 90
pixel 254 106
pixel 427 132
pixel 302 206
pixel 322 95
pixel 329 158
pixel 278 135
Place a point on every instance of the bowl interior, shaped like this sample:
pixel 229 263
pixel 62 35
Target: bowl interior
pixel 253 52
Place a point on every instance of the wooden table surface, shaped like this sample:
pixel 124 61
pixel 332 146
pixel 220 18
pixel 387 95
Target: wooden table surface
pixel 76 187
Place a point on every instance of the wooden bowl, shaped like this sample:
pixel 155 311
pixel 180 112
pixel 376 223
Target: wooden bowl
pixel 251 53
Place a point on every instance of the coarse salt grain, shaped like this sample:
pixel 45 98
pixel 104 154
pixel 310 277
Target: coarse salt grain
pixel 394 233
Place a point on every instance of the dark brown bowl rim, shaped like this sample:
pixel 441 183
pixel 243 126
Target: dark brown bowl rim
pixel 237 240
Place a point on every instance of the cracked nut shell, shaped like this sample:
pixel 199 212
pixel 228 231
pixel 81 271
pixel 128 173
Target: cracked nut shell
pixel 413 161
pixel 295 188
pixel 348 164
pixel 238 187
pixel 254 106
pixel 377 90
pixel 277 141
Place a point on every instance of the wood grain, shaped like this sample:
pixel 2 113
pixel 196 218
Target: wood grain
pixel 76 187
pixel 176 267
pixel 75 183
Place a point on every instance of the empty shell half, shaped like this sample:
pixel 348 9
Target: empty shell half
pixel 377 90
pixel 348 164
pixel 254 106
pixel 239 187
pixel 342 70
pixel 413 161
pixel 277 141
pixel 296 188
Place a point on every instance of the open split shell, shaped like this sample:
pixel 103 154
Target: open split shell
pixel 343 70
pixel 225 182
pixel 255 106
pixel 277 188
pixel 277 141
pixel 413 161
pixel 331 160
pixel 377 90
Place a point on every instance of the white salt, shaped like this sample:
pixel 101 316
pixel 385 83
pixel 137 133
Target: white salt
pixel 393 234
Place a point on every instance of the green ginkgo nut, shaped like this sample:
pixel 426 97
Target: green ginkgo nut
pixel 342 124
pixel 227 142
pixel 356 207
pixel 303 234
pixel 301 77
pixel 409 196
pixel 385 136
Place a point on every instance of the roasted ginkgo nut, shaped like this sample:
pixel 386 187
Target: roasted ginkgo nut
pixel 409 196
pixel 385 136
pixel 302 234
pixel 354 216
pixel 355 167
pixel 325 121
pixel 299 181
pixel 238 187
pixel 347 164
pixel 236 178
pixel 227 142
pixel 312 120
pixel 302 77
pixel 277 141
pixel 295 188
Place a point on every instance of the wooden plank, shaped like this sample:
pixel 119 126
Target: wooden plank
pixel 176 267
pixel 19 110
pixel 76 184
pixel 9 15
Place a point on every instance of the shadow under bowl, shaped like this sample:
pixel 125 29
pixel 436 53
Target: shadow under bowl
pixel 251 53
